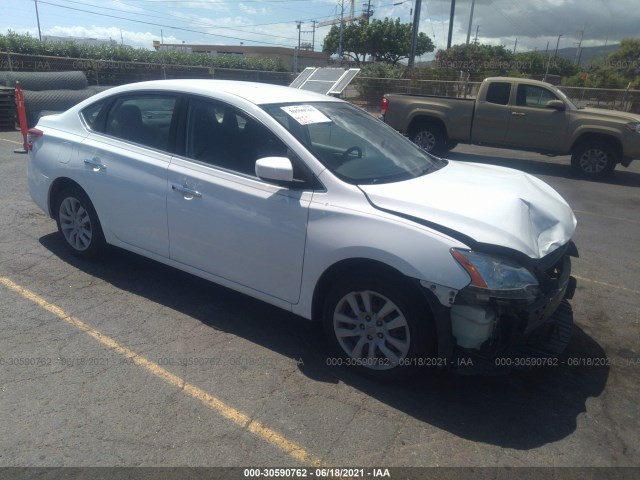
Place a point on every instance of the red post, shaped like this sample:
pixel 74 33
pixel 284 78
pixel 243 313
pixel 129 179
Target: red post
pixel 22 118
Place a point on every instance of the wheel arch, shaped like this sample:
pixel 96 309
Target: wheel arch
pixel 588 137
pixel 423 118
pixel 58 185
pixel 358 265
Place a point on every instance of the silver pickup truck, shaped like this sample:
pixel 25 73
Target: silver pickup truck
pixel 520 114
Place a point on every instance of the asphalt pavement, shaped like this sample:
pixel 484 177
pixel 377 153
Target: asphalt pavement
pixel 122 361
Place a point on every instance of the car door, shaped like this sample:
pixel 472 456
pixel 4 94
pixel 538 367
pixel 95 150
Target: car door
pixel 491 115
pixel 125 159
pixel 225 221
pixel 532 124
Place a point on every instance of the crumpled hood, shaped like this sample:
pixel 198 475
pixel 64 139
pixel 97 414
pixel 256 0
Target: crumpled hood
pixel 490 204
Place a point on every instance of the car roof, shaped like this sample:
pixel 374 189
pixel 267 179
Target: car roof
pixel 519 80
pixel 257 93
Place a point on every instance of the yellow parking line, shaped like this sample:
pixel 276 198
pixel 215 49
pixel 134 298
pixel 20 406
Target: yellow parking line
pixel 606 216
pixel 611 285
pixel 239 418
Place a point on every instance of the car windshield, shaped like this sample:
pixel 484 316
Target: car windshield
pixel 352 144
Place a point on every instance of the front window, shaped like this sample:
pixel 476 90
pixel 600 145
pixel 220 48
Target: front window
pixel 352 144
pixel 533 96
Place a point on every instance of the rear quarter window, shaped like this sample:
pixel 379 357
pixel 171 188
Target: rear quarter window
pixel 91 115
pixel 498 93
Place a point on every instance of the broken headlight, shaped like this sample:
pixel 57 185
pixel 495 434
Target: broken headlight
pixel 496 277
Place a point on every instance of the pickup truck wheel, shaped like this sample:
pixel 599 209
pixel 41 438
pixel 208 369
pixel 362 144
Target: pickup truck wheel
pixel 594 160
pixel 430 137
pixel 377 327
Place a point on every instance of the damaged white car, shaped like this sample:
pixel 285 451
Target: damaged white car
pixel 308 203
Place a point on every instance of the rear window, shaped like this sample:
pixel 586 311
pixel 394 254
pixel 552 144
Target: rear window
pixel 144 119
pixel 498 92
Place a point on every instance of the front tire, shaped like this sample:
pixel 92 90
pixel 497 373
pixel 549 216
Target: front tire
pixel 78 223
pixel 594 160
pixel 378 327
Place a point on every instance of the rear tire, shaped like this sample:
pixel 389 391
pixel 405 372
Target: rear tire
pixel 594 160
pixel 378 327
pixel 431 137
pixel 78 223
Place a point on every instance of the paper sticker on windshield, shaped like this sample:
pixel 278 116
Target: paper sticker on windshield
pixel 306 114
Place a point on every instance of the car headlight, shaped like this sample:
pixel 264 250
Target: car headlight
pixel 497 277
pixel 634 126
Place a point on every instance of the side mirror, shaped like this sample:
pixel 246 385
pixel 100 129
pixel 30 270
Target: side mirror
pixel 556 105
pixel 275 169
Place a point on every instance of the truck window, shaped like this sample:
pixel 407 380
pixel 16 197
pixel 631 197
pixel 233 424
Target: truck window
pixel 533 96
pixel 498 92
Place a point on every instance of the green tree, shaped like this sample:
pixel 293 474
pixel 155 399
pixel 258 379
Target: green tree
pixel 535 63
pixel 478 60
pixel 385 40
pixel 354 43
pixel 626 59
pixel 618 70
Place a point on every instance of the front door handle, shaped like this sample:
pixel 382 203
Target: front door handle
pixel 95 164
pixel 519 114
pixel 187 192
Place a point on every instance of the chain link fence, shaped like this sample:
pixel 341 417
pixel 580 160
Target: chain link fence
pixel 112 73
pixel 364 91
pixel 53 84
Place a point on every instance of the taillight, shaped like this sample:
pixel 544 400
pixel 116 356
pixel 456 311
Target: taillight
pixel 385 106
pixel 33 134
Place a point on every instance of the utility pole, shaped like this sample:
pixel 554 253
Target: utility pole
pixel 557 45
pixel 473 4
pixel 313 37
pixel 515 46
pixel 38 20
pixel 297 50
pixel 368 13
pixel 475 40
pixel 451 15
pixel 414 34
pixel 164 71
pixel 341 29
pixel 579 50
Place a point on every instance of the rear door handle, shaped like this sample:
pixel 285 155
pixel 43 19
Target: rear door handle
pixel 187 192
pixel 519 114
pixel 95 164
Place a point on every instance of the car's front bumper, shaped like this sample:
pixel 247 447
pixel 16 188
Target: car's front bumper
pixel 523 334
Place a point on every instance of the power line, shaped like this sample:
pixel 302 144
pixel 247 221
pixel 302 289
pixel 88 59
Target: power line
pixel 163 26
pixel 181 20
pixel 185 20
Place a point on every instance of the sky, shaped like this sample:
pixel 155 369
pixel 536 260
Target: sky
pixel 533 23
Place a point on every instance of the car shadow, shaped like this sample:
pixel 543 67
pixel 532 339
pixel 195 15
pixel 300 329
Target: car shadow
pixel 520 410
pixel 620 176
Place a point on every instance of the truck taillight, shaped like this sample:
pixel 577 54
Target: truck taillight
pixel 33 134
pixel 385 106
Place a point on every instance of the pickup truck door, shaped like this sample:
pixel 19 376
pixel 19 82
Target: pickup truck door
pixel 491 116
pixel 534 125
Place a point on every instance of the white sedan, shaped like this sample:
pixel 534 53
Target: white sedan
pixel 311 204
